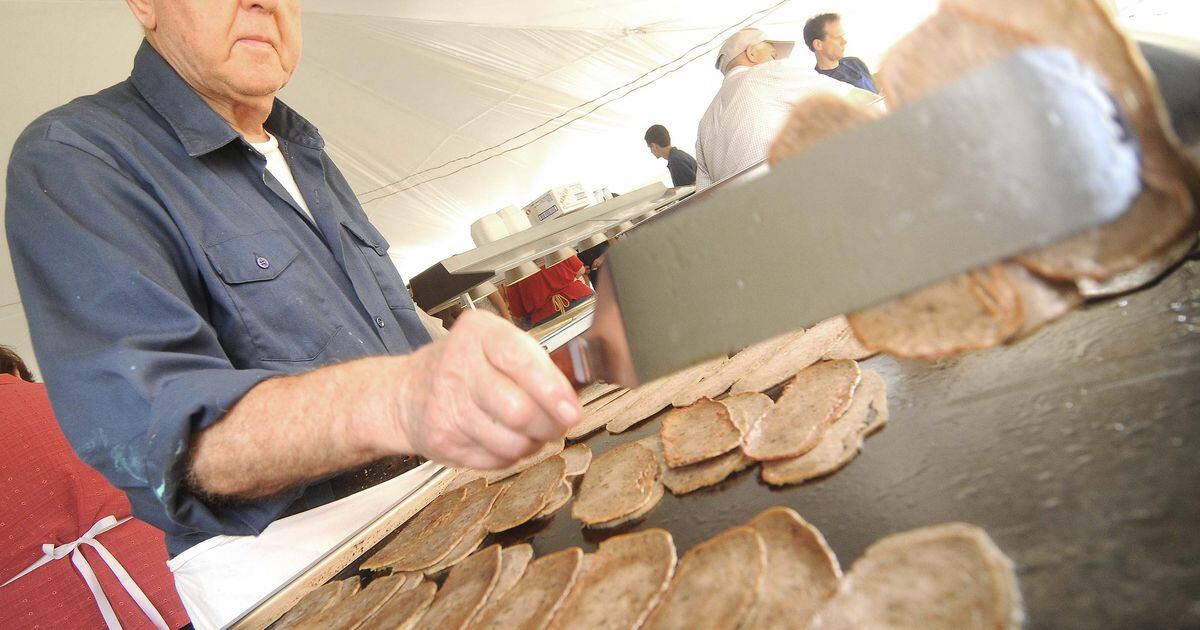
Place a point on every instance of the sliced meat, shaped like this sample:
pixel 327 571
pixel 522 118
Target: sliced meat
pixel 656 495
pixel 719 381
pixel 465 547
pixel 1142 275
pixel 412 579
pixel 1042 301
pixel 1087 29
pixel 351 612
pixel 799 353
pixel 1158 217
pixel 814 119
pixel 578 458
pixel 747 408
pixel 525 463
pixel 531 603
pixel 513 562
pixel 968 312
pixel 438 510
pixel 464 592
pixel 321 598
pixel 618 482
pixel 624 581
pixel 598 414
pixel 802 571
pixel 555 502
pixel 942 576
pixel 867 414
pixel 698 432
pixel 715 584
pixel 847 346
pixel 707 473
pixel 436 543
pixel 656 396
pixel 525 497
pixel 815 398
pixel 404 608
pixel 596 391
pixel 908 73
pixel 972 33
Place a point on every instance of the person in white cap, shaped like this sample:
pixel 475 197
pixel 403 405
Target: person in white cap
pixel 754 100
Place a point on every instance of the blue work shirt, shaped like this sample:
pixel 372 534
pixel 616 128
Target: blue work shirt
pixel 854 71
pixel 165 272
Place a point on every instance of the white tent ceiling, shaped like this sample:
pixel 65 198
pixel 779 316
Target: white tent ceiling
pixel 439 112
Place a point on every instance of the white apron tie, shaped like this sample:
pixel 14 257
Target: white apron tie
pixel 85 569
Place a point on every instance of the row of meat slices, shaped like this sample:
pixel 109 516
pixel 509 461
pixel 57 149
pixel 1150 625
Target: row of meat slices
pixel 817 426
pixel 776 571
pixel 1004 302
pixel 757 368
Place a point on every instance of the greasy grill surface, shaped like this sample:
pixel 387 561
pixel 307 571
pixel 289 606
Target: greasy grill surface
pixel 1078 450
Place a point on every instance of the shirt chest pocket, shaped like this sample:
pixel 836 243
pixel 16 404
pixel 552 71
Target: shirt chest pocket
pixel 373 248
pixel 275 294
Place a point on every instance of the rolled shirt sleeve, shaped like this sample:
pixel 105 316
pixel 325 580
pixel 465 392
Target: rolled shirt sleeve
pixel 132 367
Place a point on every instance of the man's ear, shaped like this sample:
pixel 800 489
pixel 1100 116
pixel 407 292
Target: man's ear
pixel 818 45
pixel 143 10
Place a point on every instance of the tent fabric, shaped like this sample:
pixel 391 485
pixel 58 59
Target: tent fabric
pixel 401 87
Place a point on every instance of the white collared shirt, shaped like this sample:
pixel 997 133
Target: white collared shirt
pixel 749 109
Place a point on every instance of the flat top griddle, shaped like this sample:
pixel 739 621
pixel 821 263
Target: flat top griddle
pixel 1076 449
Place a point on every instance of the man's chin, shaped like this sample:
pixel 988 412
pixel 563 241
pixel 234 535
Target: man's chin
pixel 260 85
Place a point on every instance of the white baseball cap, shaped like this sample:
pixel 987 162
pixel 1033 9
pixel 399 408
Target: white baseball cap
pixel 743 39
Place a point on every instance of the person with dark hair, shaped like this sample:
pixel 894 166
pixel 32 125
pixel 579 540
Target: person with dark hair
pixel 681 165
pixel 57 514
pixel 827 40
pixel 11 363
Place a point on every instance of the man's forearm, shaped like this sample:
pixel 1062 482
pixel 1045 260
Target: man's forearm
pixel 482 397
pixel 291 430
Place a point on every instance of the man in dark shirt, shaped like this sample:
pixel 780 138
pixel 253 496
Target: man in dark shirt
pixel 826 38
pixel 681 165
pixel 218 322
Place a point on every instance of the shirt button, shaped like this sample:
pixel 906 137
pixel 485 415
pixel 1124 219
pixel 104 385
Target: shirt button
pixel 379 322
pixel 262 263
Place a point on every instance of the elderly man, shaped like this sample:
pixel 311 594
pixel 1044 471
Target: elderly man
pixel 217 321
pixel 754 100
pixel 826 38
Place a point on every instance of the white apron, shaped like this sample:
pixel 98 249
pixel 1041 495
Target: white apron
pixel 224 577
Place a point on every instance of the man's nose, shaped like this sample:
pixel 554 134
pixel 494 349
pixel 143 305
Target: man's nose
pixel 269 6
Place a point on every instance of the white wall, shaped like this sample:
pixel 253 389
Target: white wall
pixel 53 52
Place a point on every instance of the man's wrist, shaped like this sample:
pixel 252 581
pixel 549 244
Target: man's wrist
pixel 376 428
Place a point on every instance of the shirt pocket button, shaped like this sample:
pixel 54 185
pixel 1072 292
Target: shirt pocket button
pixel 262 263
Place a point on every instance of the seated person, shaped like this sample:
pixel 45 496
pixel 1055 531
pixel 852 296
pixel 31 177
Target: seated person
pixel 547 293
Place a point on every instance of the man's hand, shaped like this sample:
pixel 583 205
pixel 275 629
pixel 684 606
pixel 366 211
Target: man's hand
pixel 482 397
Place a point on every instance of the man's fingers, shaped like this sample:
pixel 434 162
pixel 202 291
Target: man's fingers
pixel 509 405
pixel 498 440
pixel 518 357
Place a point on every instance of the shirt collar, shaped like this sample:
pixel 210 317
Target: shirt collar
pixel 736 71
pixel 197 126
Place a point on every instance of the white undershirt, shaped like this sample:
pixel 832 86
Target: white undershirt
pixel 280 170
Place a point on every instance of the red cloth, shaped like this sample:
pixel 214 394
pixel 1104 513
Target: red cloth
pixel 47 495
pixel 534 296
